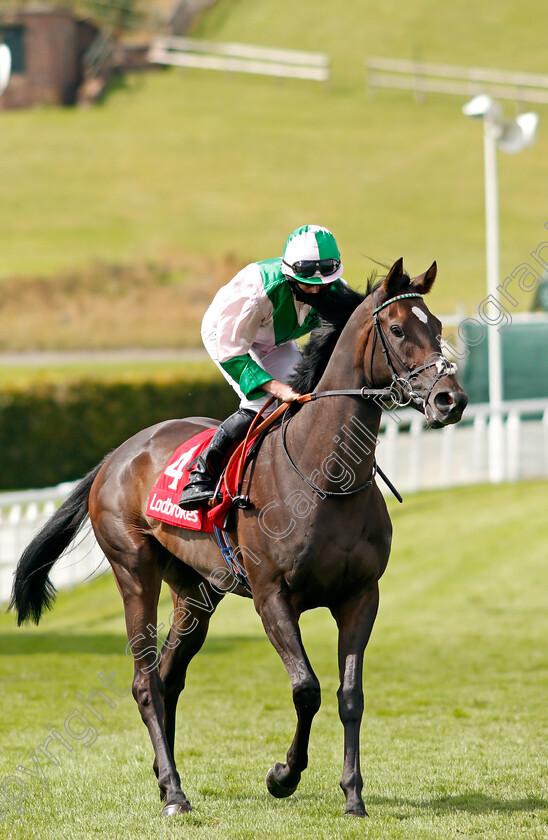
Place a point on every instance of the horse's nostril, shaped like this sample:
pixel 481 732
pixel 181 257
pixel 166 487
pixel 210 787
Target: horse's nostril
pixel 450 401
pixel 444 401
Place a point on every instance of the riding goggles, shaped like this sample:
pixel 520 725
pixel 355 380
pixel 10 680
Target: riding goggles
pixel 309 268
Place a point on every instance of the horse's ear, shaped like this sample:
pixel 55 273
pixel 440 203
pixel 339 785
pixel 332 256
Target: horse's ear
pixel 393 280
pixel 424 282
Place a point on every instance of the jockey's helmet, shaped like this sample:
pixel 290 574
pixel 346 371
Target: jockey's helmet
pixel 311 255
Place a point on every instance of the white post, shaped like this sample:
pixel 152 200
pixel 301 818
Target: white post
pixel 513 429
pixel 478 447
pixel 5 67
pixel 496 430
pixel 414 465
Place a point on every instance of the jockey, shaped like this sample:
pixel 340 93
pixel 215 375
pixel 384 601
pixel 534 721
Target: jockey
pixel 249 331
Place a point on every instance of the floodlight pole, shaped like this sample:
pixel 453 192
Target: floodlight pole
pixel 511 137
pixel 494 344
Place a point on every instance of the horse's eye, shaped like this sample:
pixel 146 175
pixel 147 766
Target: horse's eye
pixel 397 331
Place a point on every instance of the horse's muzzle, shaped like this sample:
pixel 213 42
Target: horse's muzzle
pixel 446 407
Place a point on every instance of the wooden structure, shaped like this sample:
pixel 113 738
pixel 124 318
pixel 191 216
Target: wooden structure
pixel 47 45
pixel 424 77
pixel 241 58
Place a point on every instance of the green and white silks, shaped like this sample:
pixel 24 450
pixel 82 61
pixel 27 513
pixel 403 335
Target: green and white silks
pixel 249 317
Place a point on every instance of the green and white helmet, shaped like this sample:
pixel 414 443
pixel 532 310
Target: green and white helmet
pixel 311 255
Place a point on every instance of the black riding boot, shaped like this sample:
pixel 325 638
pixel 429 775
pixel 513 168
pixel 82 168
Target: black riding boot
pixel 206 471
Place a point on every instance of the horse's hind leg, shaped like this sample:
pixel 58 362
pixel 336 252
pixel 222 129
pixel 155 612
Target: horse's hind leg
pixel 282 628
pixel 194 602
pixel 139 578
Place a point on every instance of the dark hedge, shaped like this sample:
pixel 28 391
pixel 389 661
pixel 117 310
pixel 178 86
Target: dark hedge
pixel 54 433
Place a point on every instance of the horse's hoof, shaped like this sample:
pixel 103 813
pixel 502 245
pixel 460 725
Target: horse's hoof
pixel 176 808
pixel 273 785
pixel 356 812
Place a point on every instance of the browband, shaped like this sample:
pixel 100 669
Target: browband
pixel 398 297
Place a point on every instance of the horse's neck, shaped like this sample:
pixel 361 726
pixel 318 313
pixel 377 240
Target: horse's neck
pixel 341 428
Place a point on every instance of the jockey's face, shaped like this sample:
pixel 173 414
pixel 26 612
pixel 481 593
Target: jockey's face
pixel 309 288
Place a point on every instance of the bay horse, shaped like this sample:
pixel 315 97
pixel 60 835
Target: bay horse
pixel 317 532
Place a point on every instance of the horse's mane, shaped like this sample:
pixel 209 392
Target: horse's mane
pixel 334 312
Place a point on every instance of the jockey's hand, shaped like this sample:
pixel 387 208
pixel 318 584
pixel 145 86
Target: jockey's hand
pixel 280 390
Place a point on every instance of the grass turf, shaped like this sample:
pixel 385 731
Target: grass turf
pixel 454 735
pixel 223 166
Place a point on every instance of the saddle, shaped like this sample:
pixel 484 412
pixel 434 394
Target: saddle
pixel 164 497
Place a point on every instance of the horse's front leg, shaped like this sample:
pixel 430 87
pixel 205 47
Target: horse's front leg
pixel 355 621
pixel 282 628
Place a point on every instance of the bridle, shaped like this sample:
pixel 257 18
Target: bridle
pixel 404 384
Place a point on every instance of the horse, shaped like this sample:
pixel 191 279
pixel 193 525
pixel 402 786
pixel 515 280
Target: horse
pixel 315 532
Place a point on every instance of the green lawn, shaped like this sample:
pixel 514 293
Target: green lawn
pixel 221 167
pixel 456 677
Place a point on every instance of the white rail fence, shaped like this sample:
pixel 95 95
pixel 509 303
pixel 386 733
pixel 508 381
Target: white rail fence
pixel 22 514
pixel 424 77
pixel 239 58
pixel 413 457
pixel 416 458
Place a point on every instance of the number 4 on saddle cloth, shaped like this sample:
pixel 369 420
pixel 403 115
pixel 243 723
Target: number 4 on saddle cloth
pixel 165 495
pixel 164 498
pixel 163 503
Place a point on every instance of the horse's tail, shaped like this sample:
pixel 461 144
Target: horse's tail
pixel 33 591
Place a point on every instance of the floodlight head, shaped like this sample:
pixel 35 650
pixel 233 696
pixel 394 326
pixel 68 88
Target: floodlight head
pixel 528 123
pixel 517 134
pixel 5 67
pixel 482 106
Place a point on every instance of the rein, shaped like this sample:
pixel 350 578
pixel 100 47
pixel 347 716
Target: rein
pixel 257 429
pixel 364 393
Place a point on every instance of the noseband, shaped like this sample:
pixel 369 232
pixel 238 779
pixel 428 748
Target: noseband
pixel 404 383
